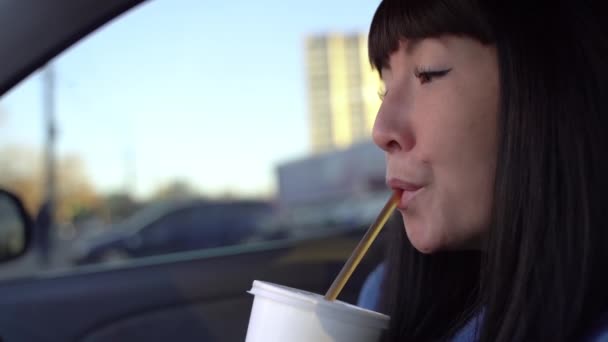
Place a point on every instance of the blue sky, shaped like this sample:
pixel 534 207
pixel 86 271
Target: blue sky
pixel 207 91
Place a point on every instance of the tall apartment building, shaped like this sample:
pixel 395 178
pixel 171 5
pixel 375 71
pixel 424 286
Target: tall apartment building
pixel 342 90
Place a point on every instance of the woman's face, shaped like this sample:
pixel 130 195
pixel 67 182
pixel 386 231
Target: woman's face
pixel 438 126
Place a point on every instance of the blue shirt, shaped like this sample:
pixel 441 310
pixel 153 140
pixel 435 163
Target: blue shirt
pixel 370 296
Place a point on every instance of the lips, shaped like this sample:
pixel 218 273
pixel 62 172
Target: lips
pixel 408 191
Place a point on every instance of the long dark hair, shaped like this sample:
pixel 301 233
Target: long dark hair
pixel 543 275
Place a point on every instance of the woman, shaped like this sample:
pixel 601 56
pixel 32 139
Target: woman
pixel 494 121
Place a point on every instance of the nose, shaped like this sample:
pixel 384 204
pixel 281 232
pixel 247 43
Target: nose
pixel 392 131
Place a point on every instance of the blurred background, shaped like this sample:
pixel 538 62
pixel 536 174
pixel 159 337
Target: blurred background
pixel 188 125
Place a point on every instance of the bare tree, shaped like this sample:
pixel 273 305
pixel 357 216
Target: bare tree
pixel 75 191
pixel 21 172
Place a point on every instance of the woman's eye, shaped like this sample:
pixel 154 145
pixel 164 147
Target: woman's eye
pixel 426 76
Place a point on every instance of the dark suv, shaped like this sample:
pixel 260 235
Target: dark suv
pixel 174 227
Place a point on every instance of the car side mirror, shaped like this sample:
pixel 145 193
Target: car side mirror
pixel 15 227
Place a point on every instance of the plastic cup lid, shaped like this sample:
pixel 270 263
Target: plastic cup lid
pixel 308 300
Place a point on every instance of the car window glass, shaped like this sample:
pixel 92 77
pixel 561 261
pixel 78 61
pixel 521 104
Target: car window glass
pixel 263 110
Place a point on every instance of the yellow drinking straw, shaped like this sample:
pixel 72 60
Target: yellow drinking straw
pixel 362 247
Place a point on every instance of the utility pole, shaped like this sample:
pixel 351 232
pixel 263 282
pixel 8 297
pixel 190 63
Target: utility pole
pixel 51 132
pixel 46 216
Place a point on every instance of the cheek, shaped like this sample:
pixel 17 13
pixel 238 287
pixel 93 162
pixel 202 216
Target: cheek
pixel 467 206
pixel 457 139
pixel 468 180
pixel 450 215
pixel 465 172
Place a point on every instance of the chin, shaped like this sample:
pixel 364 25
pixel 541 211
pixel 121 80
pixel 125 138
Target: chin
pixel 422 238
pixel 426 247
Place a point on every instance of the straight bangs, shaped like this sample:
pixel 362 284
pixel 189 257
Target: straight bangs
pixel 398 20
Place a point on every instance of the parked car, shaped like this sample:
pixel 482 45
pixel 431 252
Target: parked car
pixel 176 226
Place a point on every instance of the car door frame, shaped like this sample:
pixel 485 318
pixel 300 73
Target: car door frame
pixel 33 32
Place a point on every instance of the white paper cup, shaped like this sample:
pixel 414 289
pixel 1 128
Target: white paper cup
pixel 285 314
